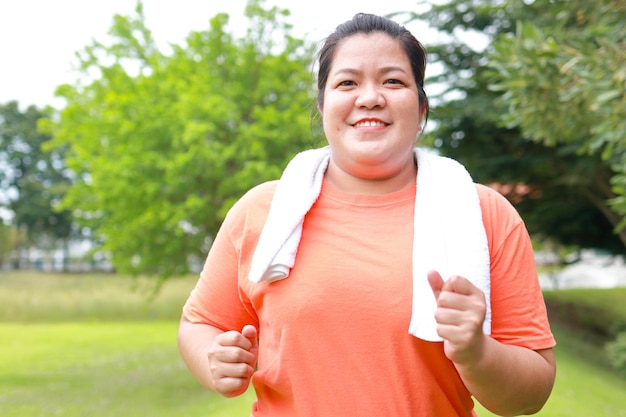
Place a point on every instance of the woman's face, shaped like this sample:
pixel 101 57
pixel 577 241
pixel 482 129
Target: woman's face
pixel 371 108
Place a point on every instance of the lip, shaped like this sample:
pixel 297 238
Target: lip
pixel 370 122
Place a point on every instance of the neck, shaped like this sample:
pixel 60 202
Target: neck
pixel 346 182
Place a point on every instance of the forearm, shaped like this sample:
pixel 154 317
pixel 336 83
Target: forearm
pixel 510 380
pixel 194 341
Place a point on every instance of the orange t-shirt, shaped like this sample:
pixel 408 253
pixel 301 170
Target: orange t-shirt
pixel 333 336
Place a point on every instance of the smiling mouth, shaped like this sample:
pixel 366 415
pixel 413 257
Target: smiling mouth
pixel 370 123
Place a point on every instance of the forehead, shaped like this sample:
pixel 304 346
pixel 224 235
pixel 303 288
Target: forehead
pixel 364 48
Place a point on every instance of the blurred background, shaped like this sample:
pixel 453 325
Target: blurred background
pixel 128 129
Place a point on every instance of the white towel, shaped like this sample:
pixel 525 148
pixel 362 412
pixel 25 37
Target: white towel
pixel 449 235
pixel 297 190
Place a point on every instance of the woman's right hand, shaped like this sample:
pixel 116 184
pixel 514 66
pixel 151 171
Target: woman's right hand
pixel 232 359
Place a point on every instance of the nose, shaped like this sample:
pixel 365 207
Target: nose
pixel 370 96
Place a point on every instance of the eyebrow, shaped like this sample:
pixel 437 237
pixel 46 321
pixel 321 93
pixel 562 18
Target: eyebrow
pixel 384 70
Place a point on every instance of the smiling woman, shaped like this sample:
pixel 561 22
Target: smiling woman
pixel 371 112
pixel 372 268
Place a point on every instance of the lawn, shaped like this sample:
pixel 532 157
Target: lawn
pixel 101 369
pixel 82 345
pixel 97 345
pixel 583 388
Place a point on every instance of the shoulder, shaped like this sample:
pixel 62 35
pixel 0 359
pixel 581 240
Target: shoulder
pixel 493 203
pixel 501 220
pixel 491 196
pixel 259 194
pixel 250 211
pixel 245 219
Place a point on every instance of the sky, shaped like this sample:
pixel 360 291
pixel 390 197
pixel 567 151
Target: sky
pixel 39 38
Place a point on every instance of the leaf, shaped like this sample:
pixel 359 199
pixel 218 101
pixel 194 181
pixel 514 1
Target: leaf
pixel 162 153
pixel 608 96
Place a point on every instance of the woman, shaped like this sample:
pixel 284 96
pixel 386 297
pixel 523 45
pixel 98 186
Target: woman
pixel 325 334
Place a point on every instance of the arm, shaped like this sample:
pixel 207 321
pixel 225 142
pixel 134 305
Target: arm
pixel 508 380
pixel 221 361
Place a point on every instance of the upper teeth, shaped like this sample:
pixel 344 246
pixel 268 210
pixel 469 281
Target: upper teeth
pixel 370 123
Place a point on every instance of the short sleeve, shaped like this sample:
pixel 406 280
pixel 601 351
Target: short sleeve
pixel 519 315
pixel 219 297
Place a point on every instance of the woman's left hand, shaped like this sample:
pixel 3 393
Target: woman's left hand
pixel 460 313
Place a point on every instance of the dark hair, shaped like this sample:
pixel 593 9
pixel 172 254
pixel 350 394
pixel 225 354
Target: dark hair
pixel 368 23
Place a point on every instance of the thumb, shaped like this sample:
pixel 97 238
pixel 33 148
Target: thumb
pixel 436 282
pixel 250 332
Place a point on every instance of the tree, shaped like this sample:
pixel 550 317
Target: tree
pixel 162 145
pixel 554 185
pixel 33 180
pixel 6 245
pixel 565 85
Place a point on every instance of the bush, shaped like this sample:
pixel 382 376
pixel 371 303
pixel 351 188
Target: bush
pixel 600 313
pixel 616 352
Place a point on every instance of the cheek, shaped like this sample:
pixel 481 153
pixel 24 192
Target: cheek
pixel 331 116
pixel 338 103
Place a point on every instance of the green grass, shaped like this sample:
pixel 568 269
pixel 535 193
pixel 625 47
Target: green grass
pixel 584 386
pixel 53 298
pixel 97 345
pixel 101 369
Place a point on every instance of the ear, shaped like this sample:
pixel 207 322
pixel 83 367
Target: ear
pixel 423 109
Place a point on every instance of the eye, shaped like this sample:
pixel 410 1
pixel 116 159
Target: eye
pixel 394 81
pixel 346 83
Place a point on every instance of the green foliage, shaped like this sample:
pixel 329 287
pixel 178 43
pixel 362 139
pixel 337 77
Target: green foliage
pixel 162 145
pixel 564 84
pixel 564 194
pixel 598 311
pixel 594 314
pixel 6 244
pixel 33 178
pixel 617 352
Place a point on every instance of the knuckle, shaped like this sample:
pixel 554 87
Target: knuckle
pixel 232 386
pixel 238 356
pixel 243 370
